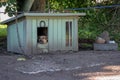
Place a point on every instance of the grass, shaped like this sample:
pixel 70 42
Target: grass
pixel 3 30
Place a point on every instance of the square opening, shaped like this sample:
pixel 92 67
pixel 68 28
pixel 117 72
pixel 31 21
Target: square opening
pixel 42 35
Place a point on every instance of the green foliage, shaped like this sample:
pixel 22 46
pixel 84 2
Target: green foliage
pixel 60 5
pixel 11 7
pixel 98 20
pixel 3 30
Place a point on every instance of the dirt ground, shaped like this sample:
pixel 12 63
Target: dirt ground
pixel 82 65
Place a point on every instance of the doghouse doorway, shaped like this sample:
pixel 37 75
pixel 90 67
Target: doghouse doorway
pixel 42 37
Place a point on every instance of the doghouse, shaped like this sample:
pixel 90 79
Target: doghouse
pixel 43 32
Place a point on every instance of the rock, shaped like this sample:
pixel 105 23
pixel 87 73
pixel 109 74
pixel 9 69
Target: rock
pixel 21 59
pixel 105 36
pixel 100 40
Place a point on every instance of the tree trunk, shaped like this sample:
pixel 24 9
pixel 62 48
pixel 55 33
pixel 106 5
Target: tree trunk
pixel 39 6
pixel 27 5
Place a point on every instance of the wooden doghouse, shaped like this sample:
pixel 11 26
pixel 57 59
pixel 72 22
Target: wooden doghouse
pixel 43 32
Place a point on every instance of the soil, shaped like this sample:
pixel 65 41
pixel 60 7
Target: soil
pixel 81 65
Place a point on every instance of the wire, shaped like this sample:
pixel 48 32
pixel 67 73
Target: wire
pixel 97 7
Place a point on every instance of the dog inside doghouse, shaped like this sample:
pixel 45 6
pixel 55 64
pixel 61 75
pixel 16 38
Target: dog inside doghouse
pixel 42 35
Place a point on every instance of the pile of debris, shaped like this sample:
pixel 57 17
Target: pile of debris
pixel 103 42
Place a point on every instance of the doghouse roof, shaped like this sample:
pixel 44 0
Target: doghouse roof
pixel 44 15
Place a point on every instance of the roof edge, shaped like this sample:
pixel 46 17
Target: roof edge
pixel 43 15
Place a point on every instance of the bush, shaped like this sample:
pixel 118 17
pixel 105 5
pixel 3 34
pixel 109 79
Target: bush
pixel 3 30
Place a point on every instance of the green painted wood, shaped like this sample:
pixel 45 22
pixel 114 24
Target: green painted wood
pixel 34 36
pixel 50 35
pixel 24 33
pixel 21 33
pixel 28 34
pixel 55 34
pixel 75 47
pixel 8 38
pixel 13 39
pixel 59 34
pixel 63 34
pixel 73 25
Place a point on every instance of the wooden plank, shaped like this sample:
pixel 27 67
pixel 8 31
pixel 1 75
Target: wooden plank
pixel 55 34
pixel 50 35
pixel 28 37
pixel 24 36
pixel 63 37
pixel 34 35
pixel 8 38
pixel 59 34
pixel 75 34
pixel 16 41
pixel 21 34
pixel 13 38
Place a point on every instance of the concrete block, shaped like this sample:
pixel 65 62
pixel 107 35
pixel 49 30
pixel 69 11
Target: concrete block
pixel 106 47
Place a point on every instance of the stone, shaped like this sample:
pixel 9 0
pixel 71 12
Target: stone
pixel 100 40
pixel 105 36
pixel 21 59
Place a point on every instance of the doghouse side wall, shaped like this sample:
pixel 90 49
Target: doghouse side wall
pixel 57 33
pixel 12 37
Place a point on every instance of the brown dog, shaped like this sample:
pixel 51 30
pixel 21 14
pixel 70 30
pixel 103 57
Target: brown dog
pixel 43 39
